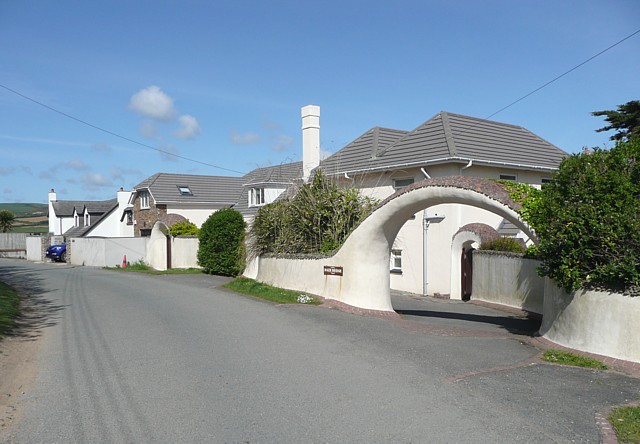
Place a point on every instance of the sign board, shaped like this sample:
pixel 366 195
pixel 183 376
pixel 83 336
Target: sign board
pixel 332 271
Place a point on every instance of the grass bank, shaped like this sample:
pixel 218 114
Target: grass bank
pixel 626 423
pixel 269 293
pixel 566 358
pixel 9 308
pixel 141 267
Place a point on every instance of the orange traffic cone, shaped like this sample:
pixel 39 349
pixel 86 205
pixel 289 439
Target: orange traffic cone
pixel 124 261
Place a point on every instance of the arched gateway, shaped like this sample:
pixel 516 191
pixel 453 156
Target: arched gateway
pixel 358 274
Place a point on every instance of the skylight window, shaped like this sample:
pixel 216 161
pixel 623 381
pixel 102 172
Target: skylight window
pixel 185 190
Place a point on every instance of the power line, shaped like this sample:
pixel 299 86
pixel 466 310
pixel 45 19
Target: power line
pixel 563 74
pixel 84 122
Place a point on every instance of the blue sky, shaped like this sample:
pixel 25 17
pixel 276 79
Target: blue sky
pixel 223 82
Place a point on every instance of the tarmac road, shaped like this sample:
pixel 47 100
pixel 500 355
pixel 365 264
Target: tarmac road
pixel 136 358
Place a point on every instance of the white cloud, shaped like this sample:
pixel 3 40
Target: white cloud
pixel 244 139
pixel 324 154
pixel 168 152
pixel 149 129
pixel 282 143
pixel 153 102
pixel 119 174
pixel 75 164
pixel 95 180
pixel 189 127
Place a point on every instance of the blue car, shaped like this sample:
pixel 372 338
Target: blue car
pixel 57 252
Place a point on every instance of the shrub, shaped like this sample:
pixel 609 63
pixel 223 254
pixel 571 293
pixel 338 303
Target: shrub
pixel 317 219
pixel 221 248
pixel 508 244
pixel 184 228
pixel 588 220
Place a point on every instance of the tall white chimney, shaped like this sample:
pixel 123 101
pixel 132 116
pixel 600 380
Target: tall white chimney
pixel 310 140
pixel 52 214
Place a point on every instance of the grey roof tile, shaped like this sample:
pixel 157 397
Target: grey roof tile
pixel 205 189
pixel 446 137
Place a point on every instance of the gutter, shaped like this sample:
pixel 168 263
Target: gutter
pixel 518 166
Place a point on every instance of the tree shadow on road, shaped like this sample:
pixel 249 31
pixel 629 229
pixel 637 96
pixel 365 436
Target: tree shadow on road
pixel 37 311
pixel 526 326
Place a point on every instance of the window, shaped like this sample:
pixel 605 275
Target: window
pixel 256 197
pixel 129 218
pixel 144 199
pixel 401 183
pixel 145 232
pixel 545 180
pixel 511 177
pixel 185 190
pixel 396 261
pixel 87 219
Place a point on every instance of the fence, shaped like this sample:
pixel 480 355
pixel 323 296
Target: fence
pixel 13 245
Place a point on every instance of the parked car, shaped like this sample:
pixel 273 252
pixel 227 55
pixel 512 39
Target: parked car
pixel 57 252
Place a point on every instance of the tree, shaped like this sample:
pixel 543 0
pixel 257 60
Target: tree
pixel 184 228
pixel 626 120
pixel 317 219
pixel 6 220
pixel 588 220
pixel 221 248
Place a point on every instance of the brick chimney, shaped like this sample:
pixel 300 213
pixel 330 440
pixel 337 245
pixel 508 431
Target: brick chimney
pixel 310 140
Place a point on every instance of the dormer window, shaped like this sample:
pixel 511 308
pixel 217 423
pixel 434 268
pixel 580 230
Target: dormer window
pixel 185 190
pixel 256 197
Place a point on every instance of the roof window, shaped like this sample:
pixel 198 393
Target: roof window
pixel 185 190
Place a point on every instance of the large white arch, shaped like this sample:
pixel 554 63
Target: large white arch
pixel 364 258
pixel 365 254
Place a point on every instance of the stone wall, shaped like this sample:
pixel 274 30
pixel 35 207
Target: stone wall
pixel 146 218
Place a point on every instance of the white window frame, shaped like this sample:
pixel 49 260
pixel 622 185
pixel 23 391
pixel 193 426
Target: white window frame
pixel 395 264
pixel 144 200
pixel 257 197
pixel 407 181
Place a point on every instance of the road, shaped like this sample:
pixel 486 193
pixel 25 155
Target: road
pixel 127 357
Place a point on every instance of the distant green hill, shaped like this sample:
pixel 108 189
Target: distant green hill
pixel 26 209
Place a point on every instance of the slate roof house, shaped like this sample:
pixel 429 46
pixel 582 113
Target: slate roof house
pixel 164 196
pixel 382 161
pixel 71 218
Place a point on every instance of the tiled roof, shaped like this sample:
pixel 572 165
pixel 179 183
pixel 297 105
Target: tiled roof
pixel 204 189
pixel 446 137
pixel 278 176
pixel 284 173
pixel 65 208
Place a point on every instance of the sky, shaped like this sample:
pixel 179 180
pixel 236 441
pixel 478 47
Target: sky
pixel 98 95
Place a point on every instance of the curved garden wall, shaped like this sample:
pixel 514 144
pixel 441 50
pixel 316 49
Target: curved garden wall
pixel 592 321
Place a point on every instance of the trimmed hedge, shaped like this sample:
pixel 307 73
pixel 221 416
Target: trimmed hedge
pixel 221 247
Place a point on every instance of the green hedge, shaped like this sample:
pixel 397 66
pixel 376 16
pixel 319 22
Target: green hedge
pixel 221 246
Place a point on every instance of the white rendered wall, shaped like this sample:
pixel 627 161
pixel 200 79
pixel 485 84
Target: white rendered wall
pixel 34 248
pixel 198 216
pixel 184 252
pixel 107 252
pixel 507 280
pixel 108 226
pixel 592 321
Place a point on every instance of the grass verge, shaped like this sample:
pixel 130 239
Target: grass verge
pixel 141 267
pixel 269 293
pixel 9 308
pixel 626 423
pixel 566 358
